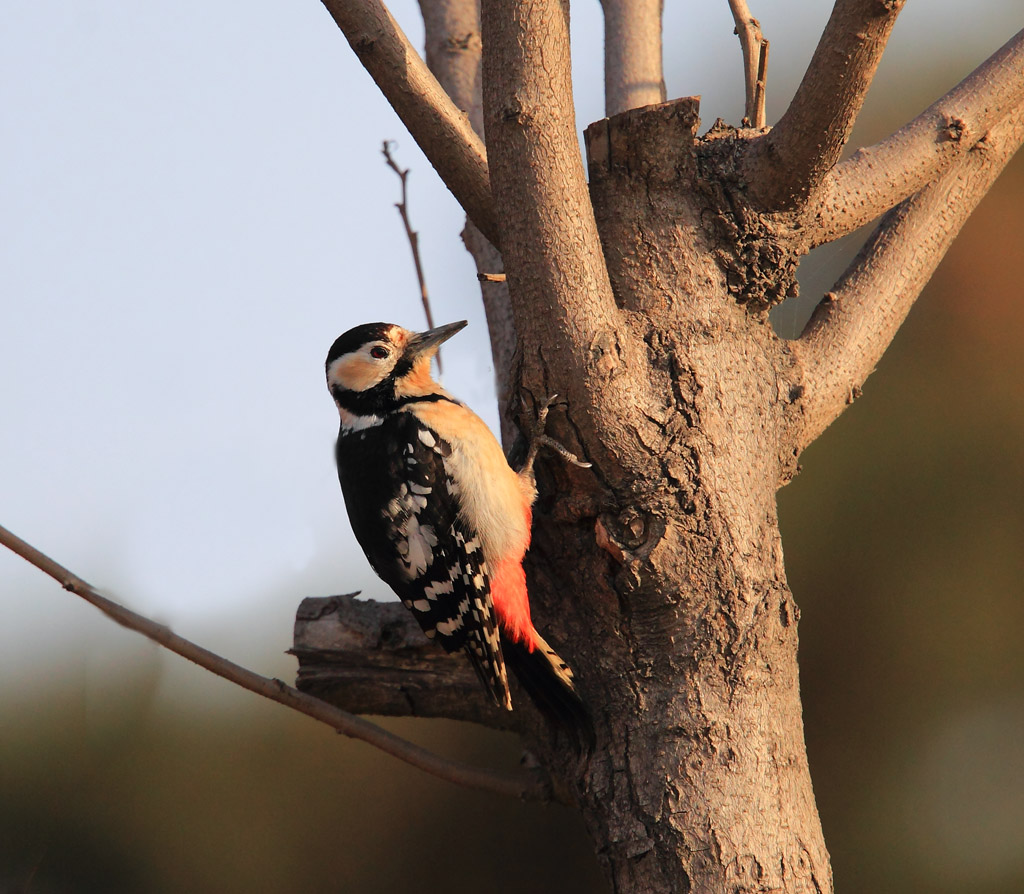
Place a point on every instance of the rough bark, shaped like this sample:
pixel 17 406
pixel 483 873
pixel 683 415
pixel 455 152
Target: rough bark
pixel 373 657
pixel 643 300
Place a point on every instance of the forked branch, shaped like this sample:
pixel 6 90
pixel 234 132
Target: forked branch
pixel 442 131
pixel 789 163
pixel 853 326
pixel 874 179
pixel 519 786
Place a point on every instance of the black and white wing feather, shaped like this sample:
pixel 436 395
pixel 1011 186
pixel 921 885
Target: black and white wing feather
pixel 416 540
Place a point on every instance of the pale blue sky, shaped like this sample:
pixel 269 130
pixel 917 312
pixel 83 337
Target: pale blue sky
pixel 192 206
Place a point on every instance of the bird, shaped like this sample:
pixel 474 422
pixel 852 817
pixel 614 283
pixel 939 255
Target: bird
pixel 442 517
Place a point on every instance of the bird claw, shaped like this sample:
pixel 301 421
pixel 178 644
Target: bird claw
pixel 539 438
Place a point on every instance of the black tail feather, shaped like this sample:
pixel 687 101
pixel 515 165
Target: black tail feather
pixel 551 690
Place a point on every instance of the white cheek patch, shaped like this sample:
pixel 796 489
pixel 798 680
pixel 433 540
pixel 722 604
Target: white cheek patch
pixel 357 371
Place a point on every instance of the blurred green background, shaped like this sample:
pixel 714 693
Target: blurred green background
pixel 124 770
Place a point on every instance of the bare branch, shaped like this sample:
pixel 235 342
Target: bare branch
pixel 755 62
pixel 452 40
pixel 874 179
pixel 441 130
pixel 518 786
pixel 853 326
pixel 790 162
pixel 371 657
pixel 413 237
pixel 633 73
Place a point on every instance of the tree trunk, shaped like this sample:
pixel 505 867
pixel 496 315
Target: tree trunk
pixel 643 300
pixel 689 651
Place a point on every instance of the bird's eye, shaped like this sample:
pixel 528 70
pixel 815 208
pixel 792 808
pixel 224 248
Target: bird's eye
pixel 378 352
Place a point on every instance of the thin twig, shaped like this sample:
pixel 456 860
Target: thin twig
pixel 414 239
pixel 491 277
pixel 755 60
pixel 518 785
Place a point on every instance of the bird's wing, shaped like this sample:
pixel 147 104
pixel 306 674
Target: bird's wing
pixel 441 573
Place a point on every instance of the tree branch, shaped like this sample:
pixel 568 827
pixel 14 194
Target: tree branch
pixel 519 785
pixel 854 324
pixel 875 178
pixel 441 130
pixel 371 657
pixel 633 74
pixel 561 296
pixel 755 61
pixel 453 49
pixel 790 162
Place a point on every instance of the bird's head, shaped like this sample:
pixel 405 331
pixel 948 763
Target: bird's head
pixel 373 365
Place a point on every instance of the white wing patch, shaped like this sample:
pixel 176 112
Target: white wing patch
pixel 415 541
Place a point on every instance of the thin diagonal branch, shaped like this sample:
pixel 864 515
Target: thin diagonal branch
pixel 788 164
pixel 518 786
pixel 442 131
pixel 852 327
pixel 633 73
pixel 755 61
pixel 874 179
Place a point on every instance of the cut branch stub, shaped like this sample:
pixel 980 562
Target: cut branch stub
pixel 676 233
pixel 653 143
pixel 372 658
pixel 641 173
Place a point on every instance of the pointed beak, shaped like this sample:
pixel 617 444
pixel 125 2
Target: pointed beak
pixel 425 342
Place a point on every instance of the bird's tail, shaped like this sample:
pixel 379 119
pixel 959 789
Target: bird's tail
pixel 549 682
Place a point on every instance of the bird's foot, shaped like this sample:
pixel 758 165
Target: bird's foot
pixel 538 438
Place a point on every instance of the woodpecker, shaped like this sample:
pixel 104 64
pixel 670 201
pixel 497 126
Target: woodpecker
pixel 442 517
